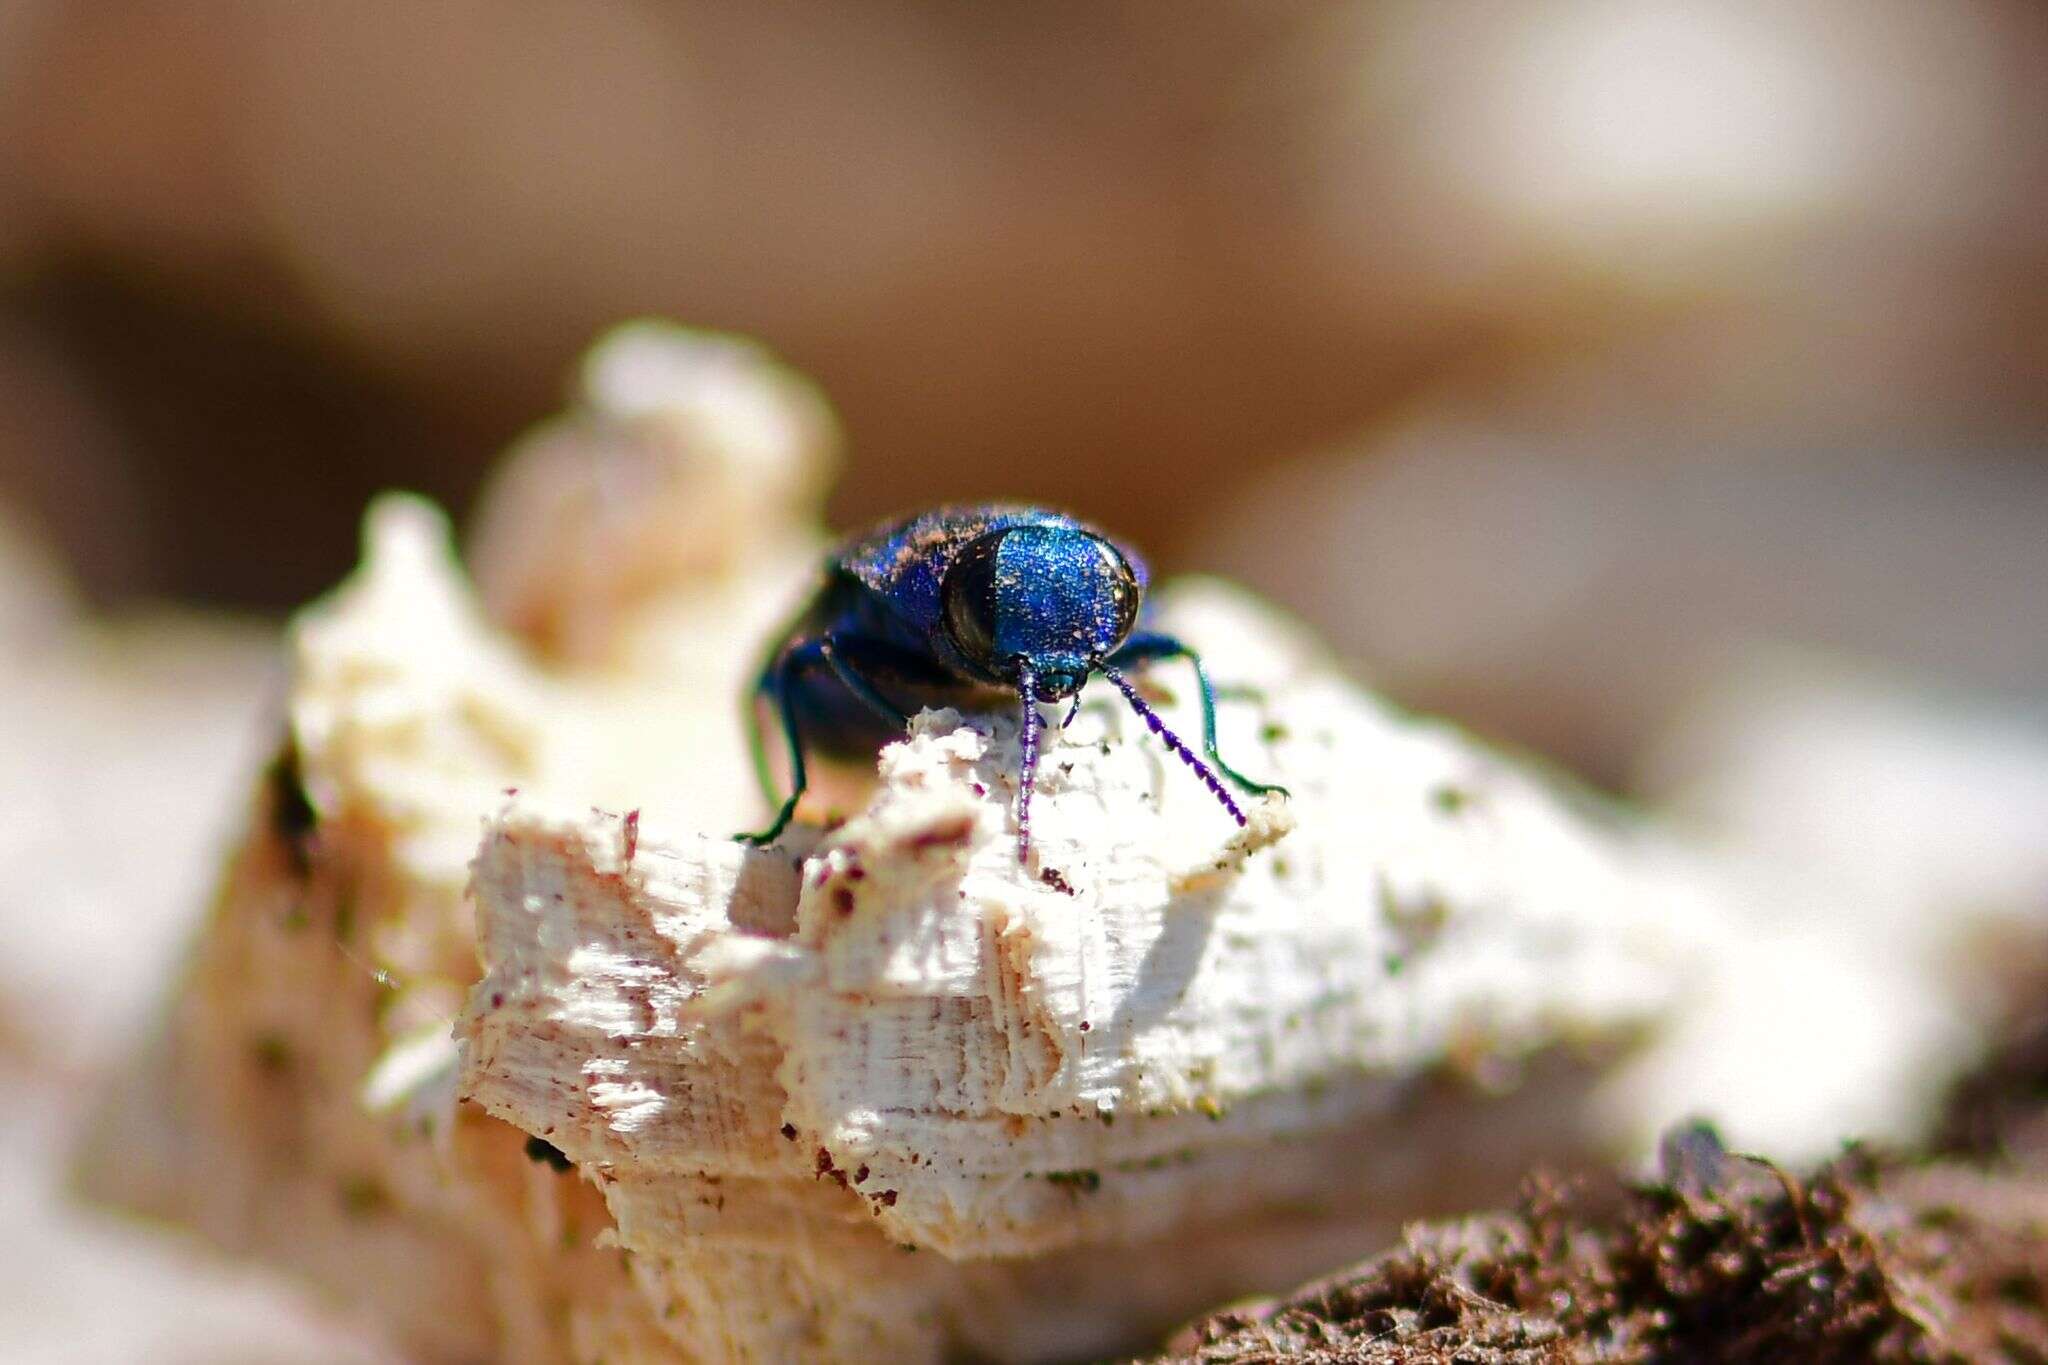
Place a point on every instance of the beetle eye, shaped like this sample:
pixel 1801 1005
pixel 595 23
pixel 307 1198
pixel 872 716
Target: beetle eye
pixel 969 598
pixel 1124 592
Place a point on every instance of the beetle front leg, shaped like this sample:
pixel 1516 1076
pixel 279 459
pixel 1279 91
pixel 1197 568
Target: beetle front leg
pixel 844 656
pixel 775 682
pixel 1151 646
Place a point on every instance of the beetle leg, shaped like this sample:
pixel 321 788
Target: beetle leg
pixel 1147 646
pixel 776 681
pixel 757 742
pixel 836 652
pixel 841 653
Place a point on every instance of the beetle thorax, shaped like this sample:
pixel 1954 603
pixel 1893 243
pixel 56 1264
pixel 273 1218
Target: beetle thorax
pixel 1055 600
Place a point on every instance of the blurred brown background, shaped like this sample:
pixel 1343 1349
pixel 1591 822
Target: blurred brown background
pixel 1515 344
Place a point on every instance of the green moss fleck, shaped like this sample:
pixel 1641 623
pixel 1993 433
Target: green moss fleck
pixel 363 1195
pixel 272 1053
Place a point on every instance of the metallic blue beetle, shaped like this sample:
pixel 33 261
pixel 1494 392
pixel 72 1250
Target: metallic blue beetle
pixel 966 607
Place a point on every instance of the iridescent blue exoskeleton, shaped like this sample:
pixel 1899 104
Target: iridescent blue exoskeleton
pixel 967 607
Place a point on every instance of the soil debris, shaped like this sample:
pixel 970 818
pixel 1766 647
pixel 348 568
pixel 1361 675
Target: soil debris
pixel 1722 1258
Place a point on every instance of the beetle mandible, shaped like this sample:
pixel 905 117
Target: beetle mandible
pixel 967 607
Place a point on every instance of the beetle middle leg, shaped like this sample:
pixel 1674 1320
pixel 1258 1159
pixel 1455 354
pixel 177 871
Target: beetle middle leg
pixel 1151 646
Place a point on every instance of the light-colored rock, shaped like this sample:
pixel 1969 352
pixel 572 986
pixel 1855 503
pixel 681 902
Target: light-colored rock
pixel 869 1096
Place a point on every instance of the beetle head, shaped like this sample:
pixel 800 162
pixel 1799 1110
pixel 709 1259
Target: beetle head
pixel 1054 599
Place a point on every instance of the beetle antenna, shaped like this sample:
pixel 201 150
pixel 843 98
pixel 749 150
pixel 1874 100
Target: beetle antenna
pixel 1028 776
pixel 1172 741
